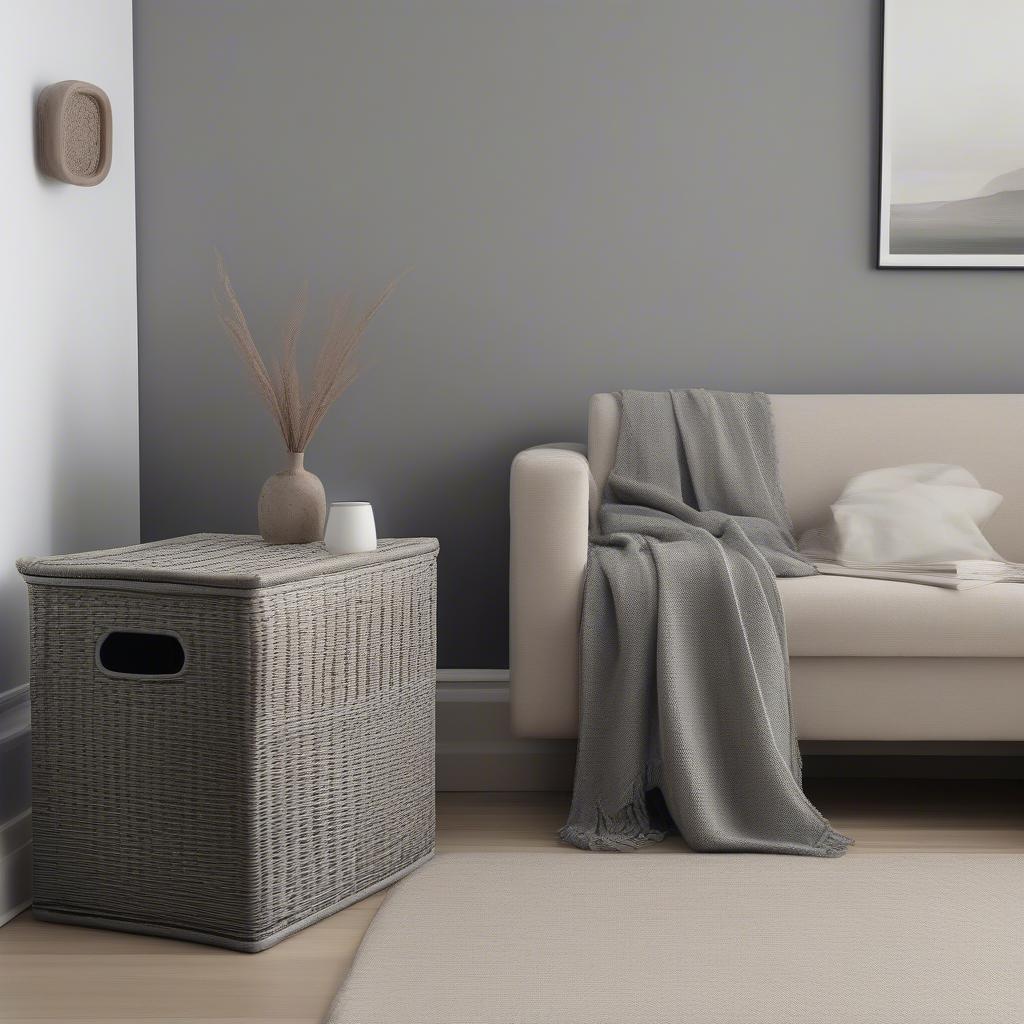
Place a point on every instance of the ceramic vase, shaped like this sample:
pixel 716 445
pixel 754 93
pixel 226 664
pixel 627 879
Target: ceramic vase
pixel 293 506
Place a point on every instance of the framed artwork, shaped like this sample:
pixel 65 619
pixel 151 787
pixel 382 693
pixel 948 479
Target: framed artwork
pixel 952 153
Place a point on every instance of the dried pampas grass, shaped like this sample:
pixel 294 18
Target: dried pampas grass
pixel 298 413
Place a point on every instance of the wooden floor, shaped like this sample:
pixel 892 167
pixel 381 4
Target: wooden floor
pixel 52 973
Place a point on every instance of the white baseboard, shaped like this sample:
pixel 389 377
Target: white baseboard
pixel 15 813
pixel 15 715
pixel 476 750
pixel 15 866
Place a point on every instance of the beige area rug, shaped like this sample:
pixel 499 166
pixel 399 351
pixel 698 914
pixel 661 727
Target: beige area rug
pixel 566 937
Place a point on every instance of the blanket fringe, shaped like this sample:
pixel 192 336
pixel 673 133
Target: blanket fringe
pixel 631 827
pixel 833 843
pixel 627 829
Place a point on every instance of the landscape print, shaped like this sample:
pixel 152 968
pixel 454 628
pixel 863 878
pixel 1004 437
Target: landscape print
pixel 952 186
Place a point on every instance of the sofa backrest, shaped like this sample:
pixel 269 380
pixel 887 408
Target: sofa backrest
pixel 823 440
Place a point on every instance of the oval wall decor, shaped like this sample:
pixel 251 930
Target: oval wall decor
pixel 74 132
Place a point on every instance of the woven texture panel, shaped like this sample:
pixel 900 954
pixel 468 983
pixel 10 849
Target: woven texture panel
pixel 83 127
pixel 286 772
pixel 218 560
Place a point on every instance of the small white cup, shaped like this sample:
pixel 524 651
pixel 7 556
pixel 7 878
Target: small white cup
pixel 350 528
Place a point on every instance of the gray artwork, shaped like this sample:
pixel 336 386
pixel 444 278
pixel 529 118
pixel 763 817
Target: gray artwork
pixel 952 183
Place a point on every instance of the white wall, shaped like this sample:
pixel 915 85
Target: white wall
pixel 69 364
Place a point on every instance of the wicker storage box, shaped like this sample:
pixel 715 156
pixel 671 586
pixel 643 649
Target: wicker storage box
pixel 230 740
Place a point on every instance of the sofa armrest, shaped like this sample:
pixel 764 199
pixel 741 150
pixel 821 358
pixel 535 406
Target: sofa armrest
pixel 550 499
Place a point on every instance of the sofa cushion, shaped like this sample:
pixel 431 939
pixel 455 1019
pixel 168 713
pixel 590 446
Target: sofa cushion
pixel 842 616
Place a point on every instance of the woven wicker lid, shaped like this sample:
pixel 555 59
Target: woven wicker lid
pixel 233 561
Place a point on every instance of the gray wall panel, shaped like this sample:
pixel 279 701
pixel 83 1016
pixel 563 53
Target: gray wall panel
pixel 590 195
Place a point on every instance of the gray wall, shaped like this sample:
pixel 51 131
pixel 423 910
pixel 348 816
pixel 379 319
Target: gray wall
pixel 591 195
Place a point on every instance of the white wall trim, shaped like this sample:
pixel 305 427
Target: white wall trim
pixel 15 834
pixel 15 866
pixel 15 714
pixel 16 831
pixel 478 686
pixel 476 750
pixel 492 676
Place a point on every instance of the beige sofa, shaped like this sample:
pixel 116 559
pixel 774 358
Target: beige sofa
pixel 870 660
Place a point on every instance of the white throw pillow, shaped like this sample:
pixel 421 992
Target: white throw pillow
pixel 923 513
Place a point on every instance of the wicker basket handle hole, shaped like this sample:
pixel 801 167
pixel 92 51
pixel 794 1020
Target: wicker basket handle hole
pixel 139 654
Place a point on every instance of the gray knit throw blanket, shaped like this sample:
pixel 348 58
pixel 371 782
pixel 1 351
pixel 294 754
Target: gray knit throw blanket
pixel 684 668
